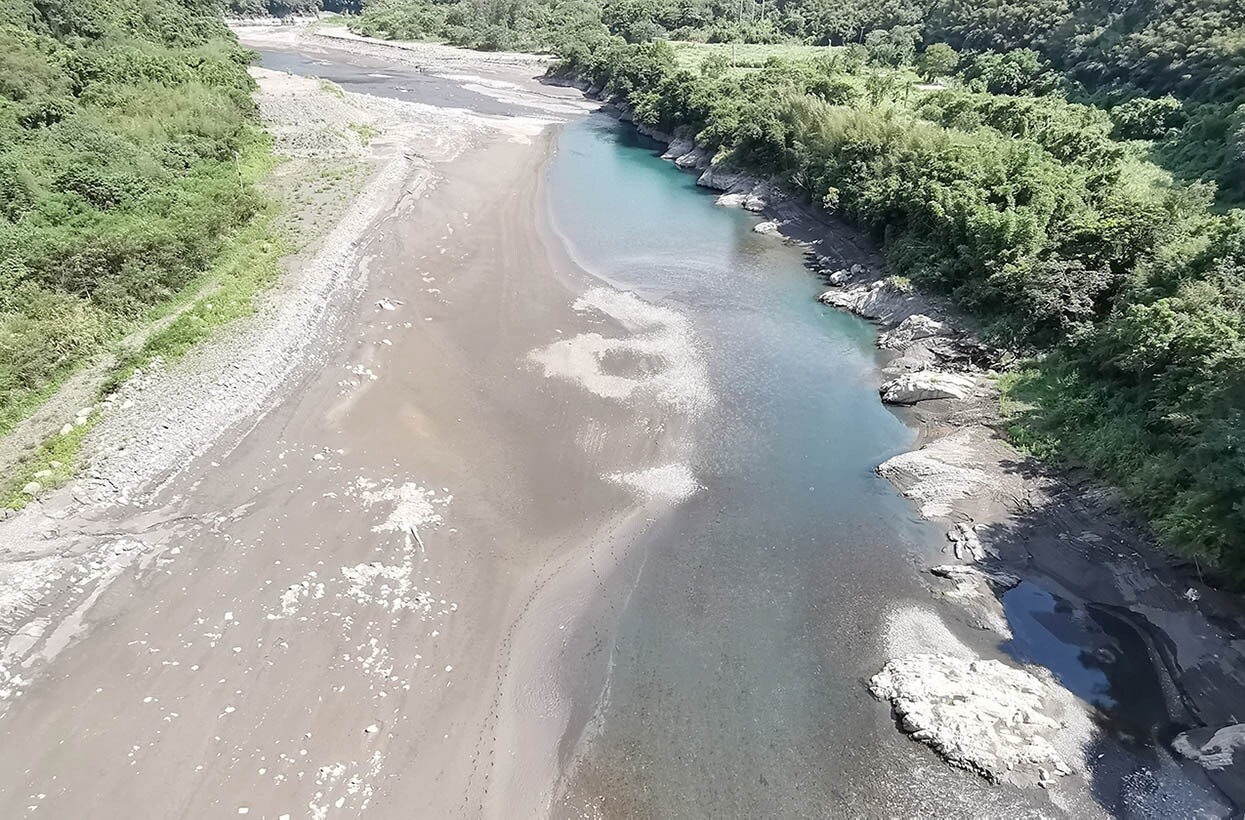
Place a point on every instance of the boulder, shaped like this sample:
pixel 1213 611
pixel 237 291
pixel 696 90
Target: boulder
pixel 927 385
pixel 769 227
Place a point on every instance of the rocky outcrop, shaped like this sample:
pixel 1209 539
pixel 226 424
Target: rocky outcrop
pixel 978 591
pixel 1214 749
pixel 916 327
pixel 723 178
pixel 695 158
pixel 939 474
pixel 678 147
pixel 980 715
pixel 875 300
pixel 927 385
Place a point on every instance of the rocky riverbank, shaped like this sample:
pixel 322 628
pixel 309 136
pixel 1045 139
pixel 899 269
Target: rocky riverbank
pixel 1169 644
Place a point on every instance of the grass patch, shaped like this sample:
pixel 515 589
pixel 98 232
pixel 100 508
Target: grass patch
pixel 51 466
pixel 331 88
pixel 366 134
pixel 690 55
pixel 249 263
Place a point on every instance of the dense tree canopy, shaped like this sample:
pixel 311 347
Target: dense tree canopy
pixel 121 128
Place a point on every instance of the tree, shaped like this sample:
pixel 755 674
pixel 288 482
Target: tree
pixel 937 60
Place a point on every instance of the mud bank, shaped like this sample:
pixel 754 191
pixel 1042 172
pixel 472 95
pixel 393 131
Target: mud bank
pixel 1168 644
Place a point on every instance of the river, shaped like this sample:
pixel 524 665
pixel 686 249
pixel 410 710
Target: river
pixel 737 672
pixel 737 682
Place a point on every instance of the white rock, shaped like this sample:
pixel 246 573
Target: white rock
pixel 372 729
pixel 67 429
pixel 939 474
pixel 1217 751
pixel 731 200
pixel 981 715
pixel 915 327
pixel 926 385
pixel 965 543
pixel 32 488
pixel 875 300
pixel 769 227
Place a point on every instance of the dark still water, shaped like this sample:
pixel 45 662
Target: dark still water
pixel 737 686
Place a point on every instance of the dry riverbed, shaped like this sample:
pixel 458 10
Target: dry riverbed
pixel 353 554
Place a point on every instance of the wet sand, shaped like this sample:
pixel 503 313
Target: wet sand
pixel 378 591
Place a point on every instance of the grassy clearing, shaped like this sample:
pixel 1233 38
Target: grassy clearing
pixel 690 55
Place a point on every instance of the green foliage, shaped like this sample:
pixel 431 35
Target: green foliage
pixel 1142 118
pixel 937 60
pixel 121 128
pixel 490 25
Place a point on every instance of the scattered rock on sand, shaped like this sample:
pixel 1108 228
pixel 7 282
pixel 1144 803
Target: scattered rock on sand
pixel 927 385
pixel 964 541
pixel 981 715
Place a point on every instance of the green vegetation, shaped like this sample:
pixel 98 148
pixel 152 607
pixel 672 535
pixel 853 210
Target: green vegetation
pixel 490 25
pixel 128 153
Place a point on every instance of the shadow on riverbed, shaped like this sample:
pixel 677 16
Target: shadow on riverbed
pixel 1109 616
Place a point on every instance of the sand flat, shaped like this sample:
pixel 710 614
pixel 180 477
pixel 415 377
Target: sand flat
pixel 374 575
